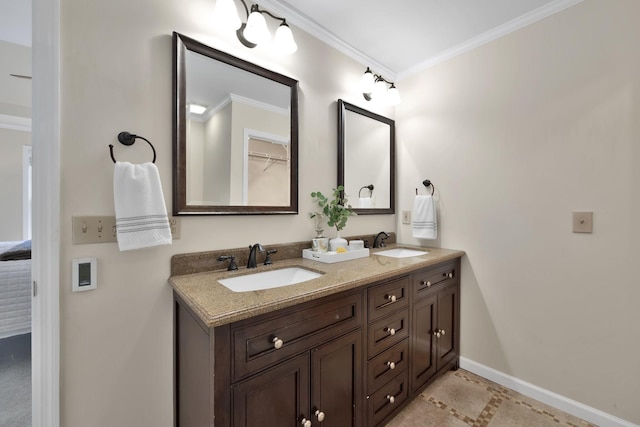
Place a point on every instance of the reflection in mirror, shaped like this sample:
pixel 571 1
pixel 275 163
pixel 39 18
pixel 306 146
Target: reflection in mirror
pixel 235 134
pixel 366 159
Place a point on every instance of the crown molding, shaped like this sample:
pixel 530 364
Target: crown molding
pixel 15 123
pixel 308 25
pixel 493 34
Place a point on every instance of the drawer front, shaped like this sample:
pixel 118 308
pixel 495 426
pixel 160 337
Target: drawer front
pixel 389 397
pixel 387 365
pixel 423 281
pixel 269 340
pixel 387 331
pixel 387 297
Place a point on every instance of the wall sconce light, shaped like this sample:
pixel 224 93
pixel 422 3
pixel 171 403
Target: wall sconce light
pixel 374 86
pixel 255 30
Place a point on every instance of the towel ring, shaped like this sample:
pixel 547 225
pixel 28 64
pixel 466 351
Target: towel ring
pixel 428 183
pixel 127 138
pixel 370 187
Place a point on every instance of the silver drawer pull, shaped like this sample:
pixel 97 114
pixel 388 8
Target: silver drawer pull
pixel 390 398
pixel 427 284
pixel 391 365
pixel 392 298
pixel 390 330
pixel 320 415
pixel 450 275
pixel 305 423
pixel 277 343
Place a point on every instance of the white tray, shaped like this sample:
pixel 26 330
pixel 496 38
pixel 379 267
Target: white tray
pixel 331 257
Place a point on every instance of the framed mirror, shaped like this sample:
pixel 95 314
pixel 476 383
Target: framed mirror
pixel 235 134
pixel 366 159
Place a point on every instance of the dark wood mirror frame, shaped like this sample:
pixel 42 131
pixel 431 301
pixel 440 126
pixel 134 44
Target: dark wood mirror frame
pixel 343 107
pixel 181 44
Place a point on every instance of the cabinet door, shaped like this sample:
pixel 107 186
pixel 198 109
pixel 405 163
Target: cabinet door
pixel 278 397
pixel 337 382
pixel 447 333
pixel 423 353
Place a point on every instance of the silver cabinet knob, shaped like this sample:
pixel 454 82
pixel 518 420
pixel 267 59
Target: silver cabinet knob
pixel 390 398
pixel 392 298
pixel 391 365
pixel 441 331
pixel 306 423
pixel 277 343
pixel 450 275
pixel 437 333
pixel 423 283
pixel 391 331
pixel 320 415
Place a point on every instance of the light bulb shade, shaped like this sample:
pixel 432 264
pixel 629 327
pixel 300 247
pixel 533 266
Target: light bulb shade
pixel 367 81
pixel 225 15
pixel 283 40
pixel 256 30
pixel 379 90
pixel 393 95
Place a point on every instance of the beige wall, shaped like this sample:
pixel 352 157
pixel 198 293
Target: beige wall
pixel 516 135
pixel 11 148
pixel 116 341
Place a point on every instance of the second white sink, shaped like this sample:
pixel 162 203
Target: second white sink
pixel 269 279
pixel 401 253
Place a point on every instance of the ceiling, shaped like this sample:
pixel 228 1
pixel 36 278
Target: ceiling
pixel 399 38
pixel 394 41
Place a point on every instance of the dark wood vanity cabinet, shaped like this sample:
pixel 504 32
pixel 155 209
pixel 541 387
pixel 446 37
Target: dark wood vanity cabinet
pixel 300 366
pixel 352 359
pixel 435 323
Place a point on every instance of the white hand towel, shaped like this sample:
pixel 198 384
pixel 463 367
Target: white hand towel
pixel 425 224
pixel 141 215
pixel 366 202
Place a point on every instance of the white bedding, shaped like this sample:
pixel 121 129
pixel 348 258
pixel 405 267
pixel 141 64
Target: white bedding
pixel 15 295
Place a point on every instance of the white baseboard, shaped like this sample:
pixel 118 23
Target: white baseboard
pixel 565 404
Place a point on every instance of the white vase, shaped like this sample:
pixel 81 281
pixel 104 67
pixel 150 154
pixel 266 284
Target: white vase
pixel 337 242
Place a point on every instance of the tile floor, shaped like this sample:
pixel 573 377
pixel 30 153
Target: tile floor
pixel 461 399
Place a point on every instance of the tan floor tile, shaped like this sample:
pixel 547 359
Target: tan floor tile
pixel 466 397
pixel 420 413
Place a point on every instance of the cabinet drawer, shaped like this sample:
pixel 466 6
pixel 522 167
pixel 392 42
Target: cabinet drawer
pixel 389 397
pixel 387 365
pixel 424 280
pixel 268 339
pixel 387 331
pixel 387 297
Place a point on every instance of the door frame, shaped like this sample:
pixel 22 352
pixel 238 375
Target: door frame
pixel 45 303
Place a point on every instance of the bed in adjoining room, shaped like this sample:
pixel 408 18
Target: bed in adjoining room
pixel 15 289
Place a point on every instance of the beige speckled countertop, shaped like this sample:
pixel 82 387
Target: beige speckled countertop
pixel 216 305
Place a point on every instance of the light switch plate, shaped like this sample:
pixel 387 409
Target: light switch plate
pixel 583 222
pixel 102 229
pixel 406 217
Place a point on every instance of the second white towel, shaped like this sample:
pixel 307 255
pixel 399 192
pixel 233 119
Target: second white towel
pixel 425 223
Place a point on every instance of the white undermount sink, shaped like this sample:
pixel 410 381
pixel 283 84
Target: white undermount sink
pixel 401 253
pixel 269 279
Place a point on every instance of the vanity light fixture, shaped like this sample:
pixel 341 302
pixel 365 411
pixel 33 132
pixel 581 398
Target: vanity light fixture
pixel 374 86
pixel 254 31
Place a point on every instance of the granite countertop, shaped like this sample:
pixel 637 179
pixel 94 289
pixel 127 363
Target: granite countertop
pixel 216 305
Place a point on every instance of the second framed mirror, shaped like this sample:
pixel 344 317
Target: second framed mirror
pixel 366 159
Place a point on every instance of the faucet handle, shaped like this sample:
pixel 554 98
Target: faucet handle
pixel 267 260
pixel 232 264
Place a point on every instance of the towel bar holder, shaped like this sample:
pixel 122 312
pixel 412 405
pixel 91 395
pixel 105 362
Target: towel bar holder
pixel 428 183
pixel 126 138
pixel 369 187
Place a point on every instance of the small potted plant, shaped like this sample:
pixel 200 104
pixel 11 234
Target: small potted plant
pixel 336 211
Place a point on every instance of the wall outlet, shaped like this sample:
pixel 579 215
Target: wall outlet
pixel 583 222
pixel 406 217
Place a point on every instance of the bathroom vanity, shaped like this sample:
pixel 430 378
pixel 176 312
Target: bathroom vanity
pixel 349 348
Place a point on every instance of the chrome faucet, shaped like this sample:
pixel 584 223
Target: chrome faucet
pixel 251 262
pixel 382 236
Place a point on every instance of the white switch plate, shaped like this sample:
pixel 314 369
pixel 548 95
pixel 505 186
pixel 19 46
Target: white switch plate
pixel 406 217
pixel 583 222
pixel 102 229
